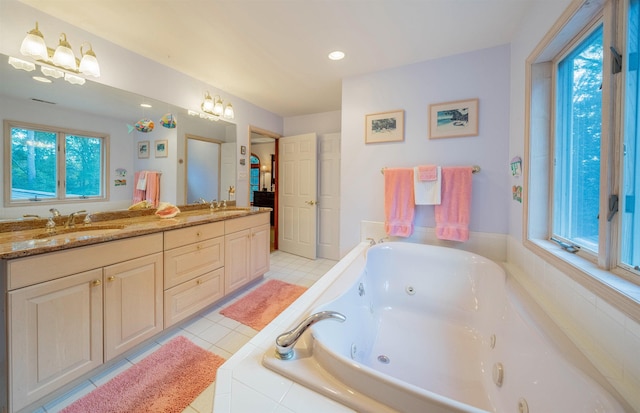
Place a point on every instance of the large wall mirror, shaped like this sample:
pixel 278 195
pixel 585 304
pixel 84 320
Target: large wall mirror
pixel 96 107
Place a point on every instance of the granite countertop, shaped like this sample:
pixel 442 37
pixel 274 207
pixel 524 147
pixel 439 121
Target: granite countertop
pixel 21 238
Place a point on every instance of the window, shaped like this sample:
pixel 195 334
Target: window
pixel 255 176
pixel 49 165
pixel 578 117
pixel 630 187
pixel 582 158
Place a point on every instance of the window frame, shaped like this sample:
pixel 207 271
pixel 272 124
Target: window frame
pixel 602 273
pixel 61 165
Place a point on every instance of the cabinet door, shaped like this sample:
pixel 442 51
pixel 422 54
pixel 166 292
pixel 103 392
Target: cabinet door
pixel 55 334
pixel 133 307
pixel 260 250
pixel 237 249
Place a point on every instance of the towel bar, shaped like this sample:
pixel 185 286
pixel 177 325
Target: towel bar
pixel 475 169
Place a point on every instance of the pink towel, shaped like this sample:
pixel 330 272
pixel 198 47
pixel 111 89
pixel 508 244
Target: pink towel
pixel 427 173
pixel 138 195
pixel 152 195
pixel 399 205
pixel 452 215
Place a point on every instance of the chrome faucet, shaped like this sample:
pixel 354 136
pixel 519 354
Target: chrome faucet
pixel 286 341
pixel 71 219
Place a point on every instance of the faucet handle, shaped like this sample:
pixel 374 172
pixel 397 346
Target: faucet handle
pixel 54 212
pixel 87 219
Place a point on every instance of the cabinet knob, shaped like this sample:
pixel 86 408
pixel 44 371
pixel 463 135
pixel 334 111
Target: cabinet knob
pixel 112 278
pixel 198 234
pixel 199 282
pixel 96 283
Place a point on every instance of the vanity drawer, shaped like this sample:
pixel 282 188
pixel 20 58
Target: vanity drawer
pixel 185 263
pixel 239 224
pixel 189 235
pixel 192 296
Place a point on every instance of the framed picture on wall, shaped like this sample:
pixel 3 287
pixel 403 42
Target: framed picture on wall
pixel 143 149
pixel 453 119
pixel 384 127
pixel 162 148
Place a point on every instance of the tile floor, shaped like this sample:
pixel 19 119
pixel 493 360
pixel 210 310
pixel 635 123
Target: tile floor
pixel 212 331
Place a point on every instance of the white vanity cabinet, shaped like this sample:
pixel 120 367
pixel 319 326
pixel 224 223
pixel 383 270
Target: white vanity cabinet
pixel 194 273
pixel 246 250
pixel 72 310
pixel 56 304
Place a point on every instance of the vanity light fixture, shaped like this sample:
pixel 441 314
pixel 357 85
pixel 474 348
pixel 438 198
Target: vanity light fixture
pixel 215 107
pixel 58 63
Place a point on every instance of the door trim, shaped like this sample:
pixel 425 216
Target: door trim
pixel 275 136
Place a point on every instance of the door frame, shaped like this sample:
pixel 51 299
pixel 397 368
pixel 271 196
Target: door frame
pixel 275 136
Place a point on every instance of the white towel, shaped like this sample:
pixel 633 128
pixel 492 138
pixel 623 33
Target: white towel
pixel 427 192
pixel 141 185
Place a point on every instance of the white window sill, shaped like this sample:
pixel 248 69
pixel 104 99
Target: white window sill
pixel 617 291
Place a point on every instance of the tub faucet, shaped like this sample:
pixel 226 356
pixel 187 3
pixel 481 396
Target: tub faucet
pixel 71 219
pixel 286 341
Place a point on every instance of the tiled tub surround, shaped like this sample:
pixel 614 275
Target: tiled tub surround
pixel 609 339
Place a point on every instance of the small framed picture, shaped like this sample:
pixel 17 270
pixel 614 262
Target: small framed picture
pixel 384 127
pixel 162 148
pixel 453 119
pixel 143 149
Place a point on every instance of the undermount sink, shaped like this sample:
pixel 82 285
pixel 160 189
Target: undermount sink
pixel 77 232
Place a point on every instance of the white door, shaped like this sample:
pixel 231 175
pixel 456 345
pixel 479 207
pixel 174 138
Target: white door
pixel 297 189
pixel 329 196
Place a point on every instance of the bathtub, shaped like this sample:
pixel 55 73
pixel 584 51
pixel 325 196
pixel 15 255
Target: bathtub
pixel 434 329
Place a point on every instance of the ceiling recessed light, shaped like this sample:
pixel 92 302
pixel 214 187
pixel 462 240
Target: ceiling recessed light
pixel 41 79
pixel 336 55
pixel 145 105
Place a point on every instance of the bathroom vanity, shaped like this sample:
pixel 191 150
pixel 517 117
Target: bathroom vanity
pixel 79 299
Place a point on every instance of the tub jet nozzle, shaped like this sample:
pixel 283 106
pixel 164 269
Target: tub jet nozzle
pixel 286 341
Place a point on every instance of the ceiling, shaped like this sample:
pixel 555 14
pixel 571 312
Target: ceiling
pixel 273 53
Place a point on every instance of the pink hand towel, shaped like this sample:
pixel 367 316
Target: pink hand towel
pixel 452 215
pixel 153 188
pixel 138 195
pixel 399 204
pixel 427 173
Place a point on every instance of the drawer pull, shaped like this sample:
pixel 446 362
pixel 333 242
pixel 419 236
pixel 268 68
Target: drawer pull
pixel 198 234
pixel 96 283
pixel 199 282
pixel 111 279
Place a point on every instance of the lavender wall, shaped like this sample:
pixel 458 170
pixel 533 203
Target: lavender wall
pixel 482 74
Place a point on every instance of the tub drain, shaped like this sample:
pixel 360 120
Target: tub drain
pixel 383 359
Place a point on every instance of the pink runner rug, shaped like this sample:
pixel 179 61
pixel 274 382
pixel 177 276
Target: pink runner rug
pixel 261 306
pixel 166 381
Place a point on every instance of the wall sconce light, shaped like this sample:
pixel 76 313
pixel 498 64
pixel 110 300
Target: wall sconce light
pixel 57 63
pixel 215 107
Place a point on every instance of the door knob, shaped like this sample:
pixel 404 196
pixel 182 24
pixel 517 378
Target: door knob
pixel 311 202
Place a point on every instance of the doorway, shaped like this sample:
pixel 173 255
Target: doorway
pixel 263 183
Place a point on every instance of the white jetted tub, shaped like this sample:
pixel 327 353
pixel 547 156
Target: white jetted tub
pixel 433 329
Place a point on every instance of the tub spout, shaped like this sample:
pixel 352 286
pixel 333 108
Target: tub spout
pixel 286 341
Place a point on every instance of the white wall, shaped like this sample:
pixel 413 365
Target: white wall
pixel 482 74
pixel 320 123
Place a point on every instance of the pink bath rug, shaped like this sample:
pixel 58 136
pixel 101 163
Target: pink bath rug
pixel 261 306
pixel 166 381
